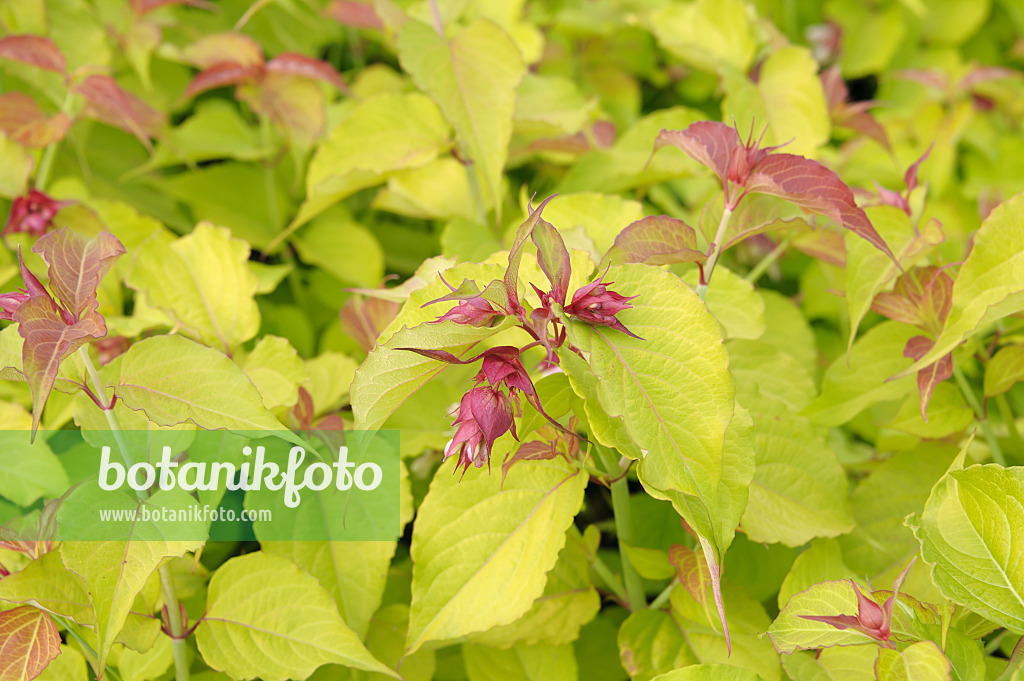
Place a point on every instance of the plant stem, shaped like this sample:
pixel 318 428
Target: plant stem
pixel 623 530
pixel 610 579
pixel 46 162
pixel 181 671
pixel 663 598
pixel 979 413
pixel 768 260
pixel 1011 421
pixel 702 287
pixel 85 644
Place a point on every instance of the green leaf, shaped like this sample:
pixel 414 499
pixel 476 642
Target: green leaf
pixel 380 135
pixel 135 666
pixel 707 34
pixel 600 216
pixel 551 105
pixel 899 486
pixel 709 672
pixel 762 372
pixel 276 370
pixel 353 572
pixel 990 284
pixel 115 572
pixel 846 663
pixel 649 563
pixel 821 562
pixel 1004 369
pixel 174 380
pixel 868 270
pixel 799 487
pixel 948 414
pixel 921 661
pixel 734 303
pixel 651 643
pixel 673 392
pixel 48 585
pixel 469 540
pixel 522 662
pixel 787 329
pixel 968 533
pixel 266 618
pixel 344 248
pixel 68 666
pixel 203 281
pixel 790 631
pixel 29 471
pixel 473 76
pixel 568 602
pixel 16 167
pixel 855 383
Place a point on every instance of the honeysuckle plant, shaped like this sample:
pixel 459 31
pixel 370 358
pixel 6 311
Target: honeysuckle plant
pixel 737 397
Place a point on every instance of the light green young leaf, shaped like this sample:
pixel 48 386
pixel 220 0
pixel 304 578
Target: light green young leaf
pixel 522 662
pixel 276 370
pixel 971 534
pixel 473 76
pixel 16 167
pixel 948 414
pixel 115 572
pixel 265 618
pixel 787 329
pixel 787 97
pixel 791 632
pixel 203 281
pixel 821 562
pixel 733 302
pixel 673 392
pixel 990 284
pixel 707 34
pixel 551 105
pixel 854 384
pixel 439 190
pixel 763 372
pixel 135 666
pixel 569 602
pixel 1004 369
pixel 380 135
pixel 175 380
pixel 921 661
pixel 469 544
pixel 709 672
pixel 68 666
pixel 353 572
pixel 48 585
pixel 601 216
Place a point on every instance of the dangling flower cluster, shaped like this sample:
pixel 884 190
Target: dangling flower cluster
pixel 33 213
pixel 486 411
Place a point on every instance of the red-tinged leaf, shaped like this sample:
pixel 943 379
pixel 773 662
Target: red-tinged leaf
pixel 814 188
pixel 865 124
pixel 896 307
pixel 49 340
pixel 515 254
pixel 930 376
pixel 715 572
pixel 656 240
pixel 77 265
pixel 922 297
pixel 535 450
pixel 439 355
pixel 553 258
pixel 297 105
pixel 23 121
pixel 109 103
pixel 355 14
pixel 825 245
pixel 932 78
pixel 224 48
pixel 222 75
pixel 292 64
pixel 691 571
pixel 709 143
pixel 29 641
pixel 364 318
pixel 910 177
pixel 836 92
pixel 143 7
pixel 33 50
pixel 985 73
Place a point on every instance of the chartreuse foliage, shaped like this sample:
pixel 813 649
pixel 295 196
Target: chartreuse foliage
pixel 699 322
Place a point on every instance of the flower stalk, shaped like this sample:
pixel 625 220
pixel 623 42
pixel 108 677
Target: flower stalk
pixel 623 529
pixel 709 268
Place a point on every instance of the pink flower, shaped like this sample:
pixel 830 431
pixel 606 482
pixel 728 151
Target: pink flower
pixel 484 415
pixel 33 213
pixel 596 304
pixel 502 364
